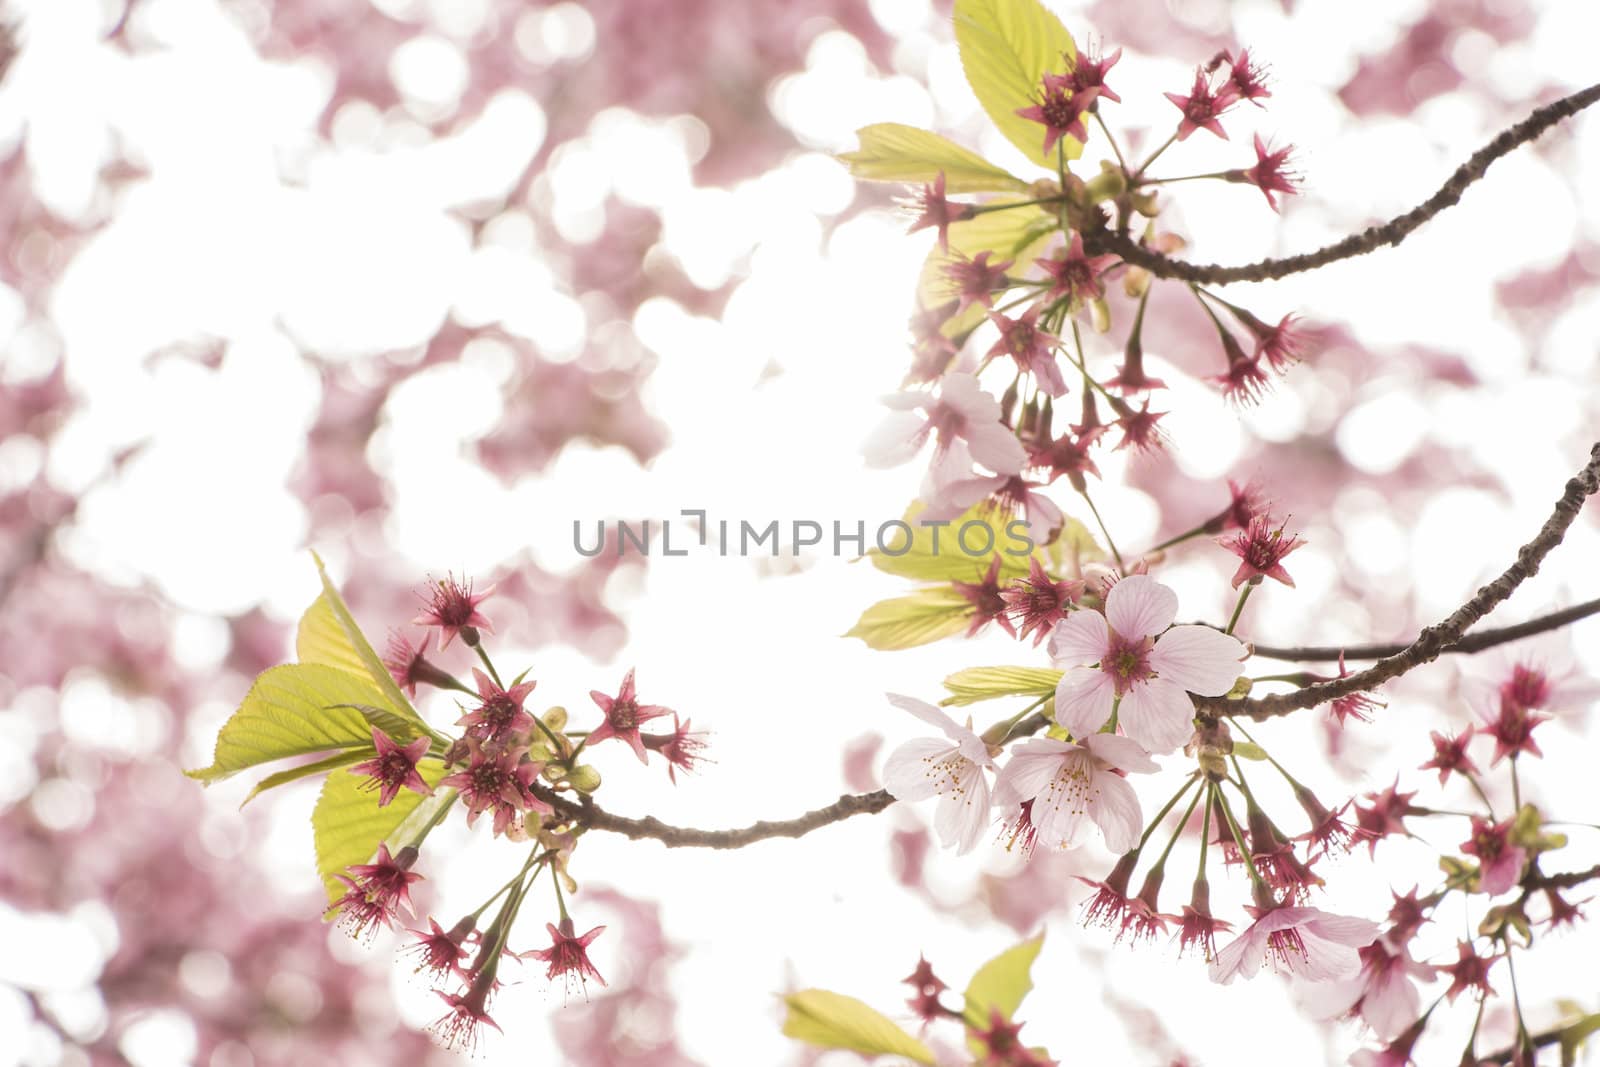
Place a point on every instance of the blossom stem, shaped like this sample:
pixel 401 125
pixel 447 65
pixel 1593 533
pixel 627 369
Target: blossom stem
pixel 1205 828
pixel 1516 999
pixel 1238 609
pixel 1115 149
pixel 1162 814
pixel 1112 545
pixel 1516 784
pixel 534 856
pixel 1238 839
pixel 1138 175
pixel 1184 178
pixel 478 648
pixel 1177 831
pixel 1477 788
pixel 984 209
pixel 561 901
pixel 1171 542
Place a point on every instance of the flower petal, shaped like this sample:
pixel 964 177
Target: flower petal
pixel 1200 659
pixel 1139 606
pixel 1114 807
pixel 1158 714
pixel 907 773
pixel 971 744
pixel 1083 700
pixel 1079 639
pixel 996 447
pixel 1029 770
pixel 1123 753
pixel 896 440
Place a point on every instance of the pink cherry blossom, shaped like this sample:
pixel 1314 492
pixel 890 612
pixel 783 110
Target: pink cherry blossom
pixel 1500 859
pixel 1134 661
pixel 1384 993
pixel 393 768
pixel 1073 785
pixel 953 768
pixel 961 411
pixel 1306 942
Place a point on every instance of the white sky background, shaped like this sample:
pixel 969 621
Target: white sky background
pixel 767 409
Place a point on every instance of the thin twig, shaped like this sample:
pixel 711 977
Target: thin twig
pixel 1369 240
pixel 1473 642
pixel 1432 641
pixel 594 817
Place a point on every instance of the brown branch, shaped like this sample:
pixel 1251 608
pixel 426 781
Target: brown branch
pixel 590 815
pixel 1369 240
pixel 1432 641
pixel 1473 642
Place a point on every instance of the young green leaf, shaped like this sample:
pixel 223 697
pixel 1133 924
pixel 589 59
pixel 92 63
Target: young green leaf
pixel 832 1020
pixel 307 770
pixel 1002 983
pixel 987 683
pixel 891 152
pixel 908 621
pixel 1007 46
pixel 936 553
pixel 328 634
pixel 293 710
pixel 347 825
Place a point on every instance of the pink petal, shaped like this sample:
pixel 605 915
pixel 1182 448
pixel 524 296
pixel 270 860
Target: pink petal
pixel 1029 771
pixel 1241 956
pixel 1157 714
pixel 996 447
pixel 1083 700
pixel 1080 639
pixel 1139 606
pixel 1324 961
pixel 1114 807
pixel 1123 753
pixel 896 440
pixel 1200 659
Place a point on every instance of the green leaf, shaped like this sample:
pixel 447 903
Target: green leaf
pixel 1007 46
pixel 1249 751
pixel 952 563
pixel 987 683
pixel 908 621
pixel 328 634
pixel 293 710
pixel 1002 983
pixel 348 826
pixel 1575 1035
pixel 831 1020
pixel 891 152
pixel 306 770
pixel 399 728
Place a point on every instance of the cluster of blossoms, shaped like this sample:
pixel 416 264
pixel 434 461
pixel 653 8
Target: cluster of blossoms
pixel 513 767
pixel 1032 289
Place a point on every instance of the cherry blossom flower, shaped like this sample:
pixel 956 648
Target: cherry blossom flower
pixel 624 715
pixel 1088 74
pixel 497 779
pixel 953 768
pixel 499 715
pixel 408 666
pixel 1036 603
pixel 1243 382
pixel 461 1026
pixel 962 411
pixel 1203 106
pixel 927 986
pixel 1514 689
pixel 1470 971
pixel 1009 496
pixel 394 767
pixel 1385 815
pixel 1306 942
pixel 1075 275
pixel 1384 993
pixel 1000 1044
pixel 1109 905
pixel 1197 928
pixel 1068 456
pixel 1131 659
pixel 1139 430
pixel 1261 549
pixel 1272 173
pixel 1396 1053
pixel 1281 344
pixel 1500 860
pixel 375 892
pixel 1073 785
pixel 1023 340
pixel 440 951
pixel 987 599
pixel 976 279
pixel 454 610
pixel 939 212
pixel 1246 79
pixel 1059 110
pixel 682 747
pixel 1357 705
pixel 568 955
pixel 1450 754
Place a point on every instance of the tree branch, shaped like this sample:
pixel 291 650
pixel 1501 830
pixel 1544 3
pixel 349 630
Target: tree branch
pixel 1473 642
pixel 1433 640
pixel 591 816
pixel 1369 240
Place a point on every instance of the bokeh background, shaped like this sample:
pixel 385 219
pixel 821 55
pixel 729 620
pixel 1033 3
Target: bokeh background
pixel 418 283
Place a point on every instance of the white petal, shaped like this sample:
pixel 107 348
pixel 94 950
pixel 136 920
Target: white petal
pixel 1083 700
pixel 1060 814
pixel 1324 961
pixel 907 773
pixel 975 817
pixel 1114 807
pixel 896 440
pixel 1029 770
pixel 1158 714
pixel 996 447
pixel 971 744
pixel 1043 518
pixel 1080 638
pixel 1241 956
pixel 1391 1004
pixel 1345 929
pixel 1200 659
pixel 964 395
pixel 1139 606
pixel 1123 753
